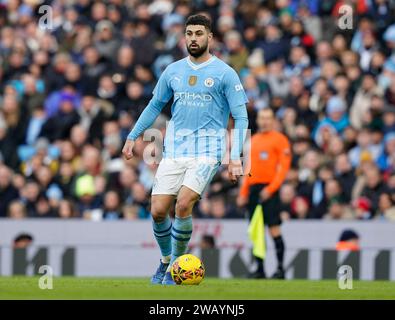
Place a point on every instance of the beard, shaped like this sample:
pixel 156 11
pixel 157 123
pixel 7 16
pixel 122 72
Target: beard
pixel 197 51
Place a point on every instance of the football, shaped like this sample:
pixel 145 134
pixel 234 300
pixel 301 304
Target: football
pixel 187 270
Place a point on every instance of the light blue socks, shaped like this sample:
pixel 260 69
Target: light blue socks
pixel 162 232
pixel 181 234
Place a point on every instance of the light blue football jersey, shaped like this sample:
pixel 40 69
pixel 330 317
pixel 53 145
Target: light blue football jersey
pixel 204 95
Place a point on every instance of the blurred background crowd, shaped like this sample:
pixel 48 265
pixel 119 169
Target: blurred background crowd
pixel 73 83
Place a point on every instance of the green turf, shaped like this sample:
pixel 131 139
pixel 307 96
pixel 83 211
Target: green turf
pixel 139 288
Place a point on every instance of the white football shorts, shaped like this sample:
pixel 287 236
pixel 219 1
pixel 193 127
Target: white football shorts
pixel 194 173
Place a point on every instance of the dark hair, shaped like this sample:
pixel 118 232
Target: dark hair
pixel 23 237
pixel 209 239
pixel 199 19
pixel 348 234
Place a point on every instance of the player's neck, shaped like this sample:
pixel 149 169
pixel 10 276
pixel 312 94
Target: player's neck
pixel 203 58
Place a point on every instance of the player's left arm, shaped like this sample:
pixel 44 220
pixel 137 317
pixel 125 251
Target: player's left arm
pixel 239 114
pixel 284 162
pixel 237 100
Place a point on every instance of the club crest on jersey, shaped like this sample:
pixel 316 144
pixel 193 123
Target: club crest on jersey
pixel 192 80
pixel 209 82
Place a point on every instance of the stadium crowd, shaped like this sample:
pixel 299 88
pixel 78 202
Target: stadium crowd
pixel 73 84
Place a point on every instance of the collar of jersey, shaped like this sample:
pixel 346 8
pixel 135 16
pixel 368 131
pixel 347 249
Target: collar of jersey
pixel 200 65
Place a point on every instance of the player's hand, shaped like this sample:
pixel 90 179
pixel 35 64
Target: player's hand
pixel 127 150
pixel 241 201
pixel 235 170
pixel 265 195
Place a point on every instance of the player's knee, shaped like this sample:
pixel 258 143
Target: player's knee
pixel 183 206
pixel 158 211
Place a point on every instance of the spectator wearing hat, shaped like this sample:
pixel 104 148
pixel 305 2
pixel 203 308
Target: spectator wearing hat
pixel 53 103
pixel 87 198
pixel 363 208
pixel 106 41
pixel 54 195
pixel 335 122
pixel 348 241
pixel 59 125
pixel 336 111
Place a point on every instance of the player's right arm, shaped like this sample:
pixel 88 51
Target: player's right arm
pixel 161 95
pixel 242 198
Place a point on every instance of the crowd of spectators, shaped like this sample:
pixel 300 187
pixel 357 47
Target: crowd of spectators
pixel 73 82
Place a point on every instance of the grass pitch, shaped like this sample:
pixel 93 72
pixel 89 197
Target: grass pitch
pixel 216 289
